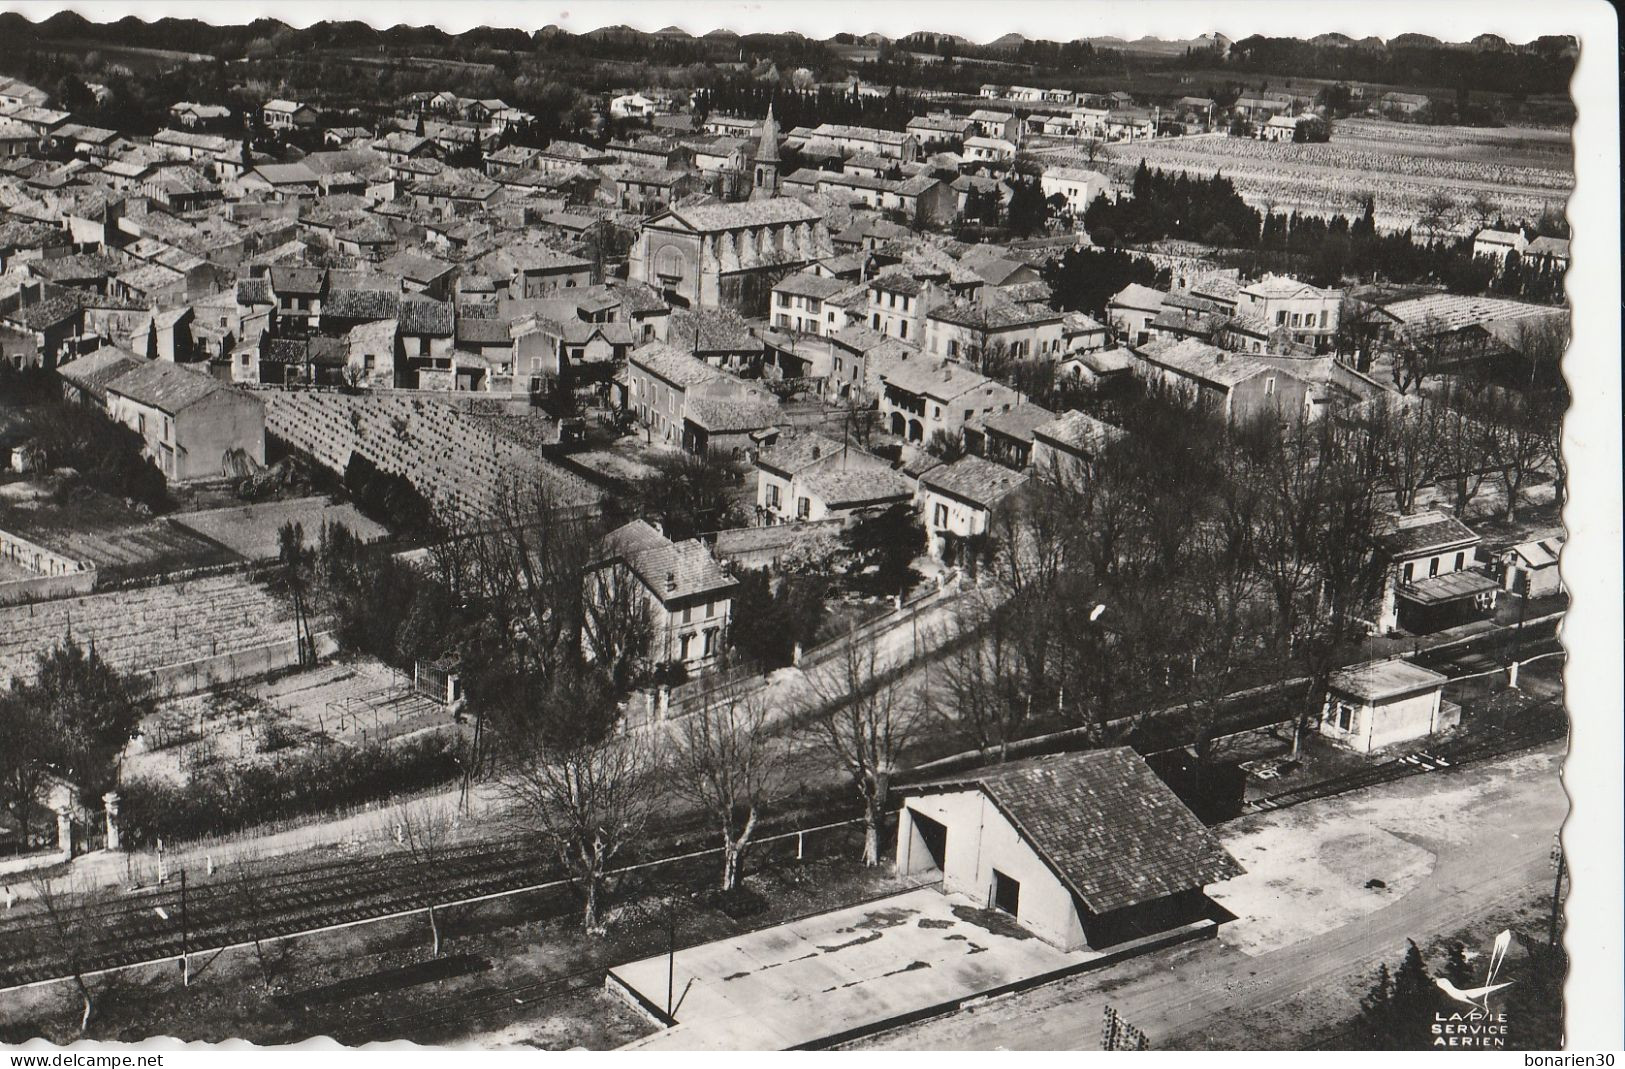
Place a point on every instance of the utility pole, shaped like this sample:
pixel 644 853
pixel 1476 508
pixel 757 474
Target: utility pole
pixel 186 956
pixel 671 952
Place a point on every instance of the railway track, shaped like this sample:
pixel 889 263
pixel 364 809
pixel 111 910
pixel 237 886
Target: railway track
pixel 234 909
pixel 1419 762
pixel 237 908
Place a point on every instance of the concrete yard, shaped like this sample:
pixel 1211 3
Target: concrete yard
pixel 826 975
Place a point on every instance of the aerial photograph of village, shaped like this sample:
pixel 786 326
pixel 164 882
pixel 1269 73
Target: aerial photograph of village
pixel 656 539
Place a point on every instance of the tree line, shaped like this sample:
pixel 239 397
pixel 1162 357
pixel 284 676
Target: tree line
pixel 1164 205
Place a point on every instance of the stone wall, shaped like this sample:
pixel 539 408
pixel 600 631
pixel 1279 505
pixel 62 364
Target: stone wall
pixel 52 574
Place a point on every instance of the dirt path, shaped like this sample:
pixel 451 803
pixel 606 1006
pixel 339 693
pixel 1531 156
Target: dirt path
pixel 1487 829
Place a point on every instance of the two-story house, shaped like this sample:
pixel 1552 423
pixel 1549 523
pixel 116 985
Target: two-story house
pixel 1431 577
pixel 188 421
pixel 957 501
pixel 788 492
pixel 801 304
pixel 689 597
pixel 922 397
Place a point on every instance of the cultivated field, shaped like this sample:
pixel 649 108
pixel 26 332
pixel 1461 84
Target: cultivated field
pixel 119 540
pixel 149 627
pixel 1522 170
pixel 460 457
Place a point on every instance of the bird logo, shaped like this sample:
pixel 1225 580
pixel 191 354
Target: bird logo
pixel 1479 997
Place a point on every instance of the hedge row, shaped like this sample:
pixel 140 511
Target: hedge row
pixel 226 798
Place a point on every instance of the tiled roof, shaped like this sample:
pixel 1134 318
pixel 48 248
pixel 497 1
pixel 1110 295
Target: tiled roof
pixel 776 210
pixel 255 291
pixel 287 174
pixel 48 313
pixel 296 280
pixel 1203 362
pixel 945 382
pixel 709 330
pixel 671 569
pixel 724 416
pixel 165 386
pixel 673 365
pixel 975 480
pixel 1424 531
pixel 857 487
pixel 420 315
pixel 1078 431
pixel 807 284
pixel 1386 679
pixel 994 317
pixel 1019 422
pixel 1544 246
pixel 1110 829
pixel 1451 586
pixel 1137 296
pixel 482 331
pixel 795 452
pixel 358 303
pixel 93 371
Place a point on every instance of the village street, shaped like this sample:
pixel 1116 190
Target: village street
pixel 1310 931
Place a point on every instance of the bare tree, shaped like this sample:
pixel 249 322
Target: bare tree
pixel 985 696
pixel 617 625
pixel 1359 325
pixel 1411 437
pixel 726 763
pixel 425 829
pixel 1348 562
pixel 68 935
pixel 1439 214
pixel 1464 459
pixel 1516 439
pixel 1426 349
pixel 243 881
pixel 587 799
pixel 859 715
pixel 1482 209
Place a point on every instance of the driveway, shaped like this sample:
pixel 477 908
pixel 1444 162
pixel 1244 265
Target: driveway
pixel 821 976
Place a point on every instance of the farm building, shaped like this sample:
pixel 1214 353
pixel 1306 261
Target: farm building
pixel 187 420
pixel 1380 703
pixel 1237 386
pixel 1498 244
pixel 1082 849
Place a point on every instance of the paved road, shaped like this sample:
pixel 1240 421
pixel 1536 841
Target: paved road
pixel 1487 856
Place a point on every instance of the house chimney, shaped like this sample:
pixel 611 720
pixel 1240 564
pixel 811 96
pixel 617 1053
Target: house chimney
pixel 671 581
pixel 817 451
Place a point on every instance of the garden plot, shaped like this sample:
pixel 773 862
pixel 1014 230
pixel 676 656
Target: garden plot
pixel 348 703
pixel 253 531
pixel 120 541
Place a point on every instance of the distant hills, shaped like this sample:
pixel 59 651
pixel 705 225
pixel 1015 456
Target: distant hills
pixel 70 24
